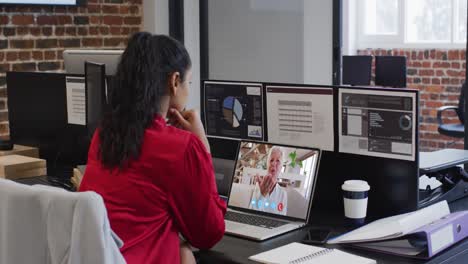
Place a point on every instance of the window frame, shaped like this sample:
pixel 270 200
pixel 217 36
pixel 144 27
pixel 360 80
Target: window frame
pixel 399 40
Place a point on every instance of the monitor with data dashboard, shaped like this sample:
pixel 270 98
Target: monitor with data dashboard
pixel 378 123
pixel 234 110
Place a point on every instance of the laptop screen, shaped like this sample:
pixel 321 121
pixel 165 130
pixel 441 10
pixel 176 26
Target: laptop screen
pixel 274 179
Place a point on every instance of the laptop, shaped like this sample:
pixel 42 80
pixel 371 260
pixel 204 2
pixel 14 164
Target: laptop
pixel 272 189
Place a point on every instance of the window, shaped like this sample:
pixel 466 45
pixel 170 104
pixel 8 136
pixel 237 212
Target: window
pixel 382 17
pixel 411 23
pixel 460 21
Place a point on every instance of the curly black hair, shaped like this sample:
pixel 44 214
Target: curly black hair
pixel 134 97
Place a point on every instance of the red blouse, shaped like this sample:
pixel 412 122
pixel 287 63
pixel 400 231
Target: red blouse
pixel 169 190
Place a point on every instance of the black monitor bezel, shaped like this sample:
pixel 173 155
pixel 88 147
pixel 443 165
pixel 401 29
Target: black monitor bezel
pixel 102 67
pixel 79 3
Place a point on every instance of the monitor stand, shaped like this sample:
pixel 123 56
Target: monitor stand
pixel 445 166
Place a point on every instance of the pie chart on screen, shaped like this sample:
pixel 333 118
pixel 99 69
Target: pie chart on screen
pixel 232 111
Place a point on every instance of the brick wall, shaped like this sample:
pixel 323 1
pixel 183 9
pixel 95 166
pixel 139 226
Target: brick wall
pixel 32 38
pixel 438 75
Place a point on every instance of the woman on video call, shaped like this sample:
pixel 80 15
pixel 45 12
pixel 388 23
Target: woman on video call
pixel 157 180
pixel 268 196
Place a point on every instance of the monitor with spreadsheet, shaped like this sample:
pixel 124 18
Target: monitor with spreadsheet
pixel 300 115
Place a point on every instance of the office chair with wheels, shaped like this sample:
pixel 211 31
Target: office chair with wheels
pixel 453 130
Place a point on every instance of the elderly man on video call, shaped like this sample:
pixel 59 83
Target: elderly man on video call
pixel 268 196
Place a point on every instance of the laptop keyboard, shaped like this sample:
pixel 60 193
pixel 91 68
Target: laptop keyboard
pixel 254 220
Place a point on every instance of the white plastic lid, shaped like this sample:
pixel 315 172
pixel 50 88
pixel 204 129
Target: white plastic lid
pixel 355 186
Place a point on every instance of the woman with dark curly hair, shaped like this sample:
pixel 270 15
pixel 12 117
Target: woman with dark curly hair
pixel 157 180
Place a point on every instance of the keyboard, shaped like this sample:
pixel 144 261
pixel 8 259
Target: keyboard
pixel 254 220
pixel 34 180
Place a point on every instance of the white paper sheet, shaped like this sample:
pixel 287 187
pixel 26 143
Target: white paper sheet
pixel 76 100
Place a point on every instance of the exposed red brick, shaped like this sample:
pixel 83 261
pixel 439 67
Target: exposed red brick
pixel 4 20
pixel 38 55
pixel 456 65
pixel 12 56
pixel 110 9
pixel 439 64
pixel 24 55
pixel 92 42
pixel 112 20
pixel 93 8
pixel 22 19
pixel 453 55
pixel 132 20
pixel 427 72
pixel 35 31
pixel 115 30
pixel 35 36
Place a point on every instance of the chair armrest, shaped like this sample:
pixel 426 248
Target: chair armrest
pixel 442 109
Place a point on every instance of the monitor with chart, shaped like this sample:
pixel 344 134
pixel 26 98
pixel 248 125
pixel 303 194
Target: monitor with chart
pixel 274 179
pixel 378 122
pixel 300 115
pixel 233 110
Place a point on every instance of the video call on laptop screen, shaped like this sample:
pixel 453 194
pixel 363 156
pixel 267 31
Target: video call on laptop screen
pixel 274 179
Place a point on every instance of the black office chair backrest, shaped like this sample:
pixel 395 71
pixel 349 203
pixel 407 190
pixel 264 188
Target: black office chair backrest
pixel 461 104
pixel 390 71
pixel 357 70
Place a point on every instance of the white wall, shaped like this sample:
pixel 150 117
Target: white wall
pixel 156 16
pixel 192 43
pixel 349 27
pixel 156 20
pixel 256 40
pixel 318 41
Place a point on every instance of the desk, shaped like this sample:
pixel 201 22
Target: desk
pixel 236 250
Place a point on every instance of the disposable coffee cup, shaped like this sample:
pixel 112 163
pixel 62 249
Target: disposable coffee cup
pixel 355 196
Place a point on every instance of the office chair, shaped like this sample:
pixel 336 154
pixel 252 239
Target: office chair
pixel 357 70
pixel 390 71
pixel 42 224
pixel 453 130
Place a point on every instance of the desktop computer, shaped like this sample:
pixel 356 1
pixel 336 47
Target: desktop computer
pixel 74 59
pixel 46 110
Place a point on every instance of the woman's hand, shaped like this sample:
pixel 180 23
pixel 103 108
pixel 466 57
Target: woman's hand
pixel 267 184
pixel 189 120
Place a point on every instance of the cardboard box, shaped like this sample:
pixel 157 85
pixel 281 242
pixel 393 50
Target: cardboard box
pixel 21 150
pixel 17 166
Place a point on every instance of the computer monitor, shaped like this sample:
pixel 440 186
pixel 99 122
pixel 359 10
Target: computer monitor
pixel 357 70
pixel 74 60
pixel 291 170
pixel 95 93
pixel 300 115
pixel 233 110
pixel 37 111
pixel 390 71
pixel 377 142
pixel 378 123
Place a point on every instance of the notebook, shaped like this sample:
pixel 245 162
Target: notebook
pixel 297 253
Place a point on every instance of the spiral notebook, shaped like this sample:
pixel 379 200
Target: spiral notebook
pixel 297 253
